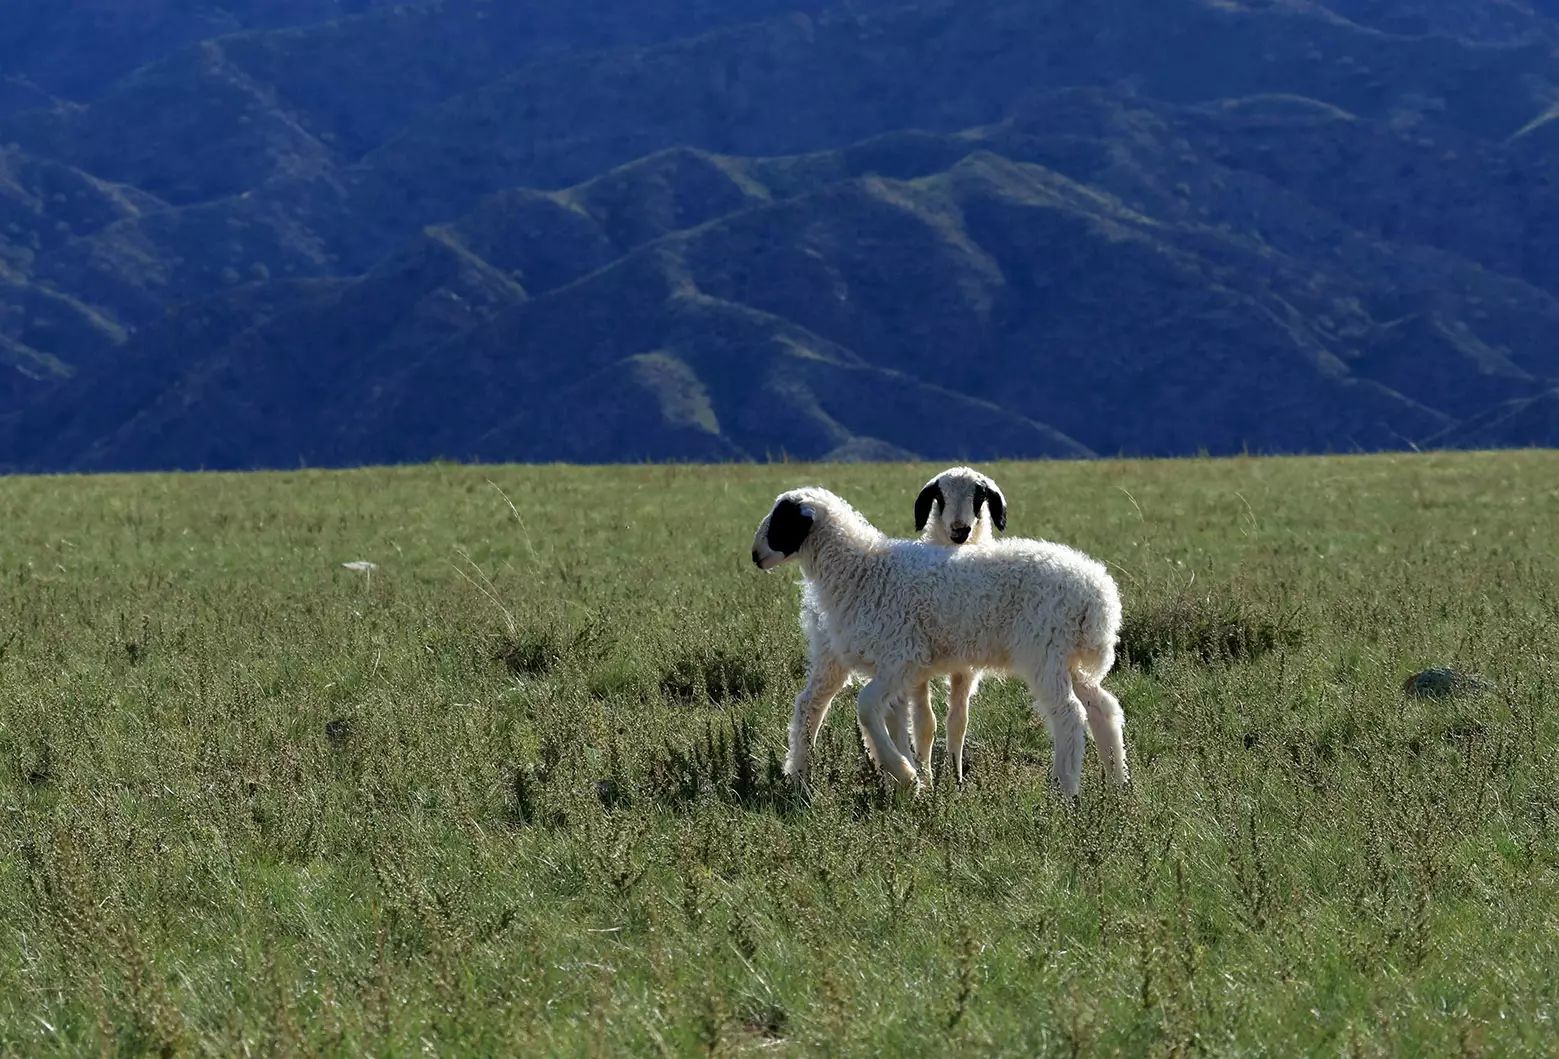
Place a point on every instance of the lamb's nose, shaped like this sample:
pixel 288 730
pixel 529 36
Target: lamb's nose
pixel 960 534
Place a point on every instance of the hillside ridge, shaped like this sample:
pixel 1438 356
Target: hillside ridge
pixel 340 233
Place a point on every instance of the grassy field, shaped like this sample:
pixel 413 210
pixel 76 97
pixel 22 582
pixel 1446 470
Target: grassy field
pixel 515 792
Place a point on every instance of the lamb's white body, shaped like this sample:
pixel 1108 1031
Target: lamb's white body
pixel 907 611
pixel 956 508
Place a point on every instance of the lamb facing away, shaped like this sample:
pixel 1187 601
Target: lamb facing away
pixel 956 507
pixel 905 612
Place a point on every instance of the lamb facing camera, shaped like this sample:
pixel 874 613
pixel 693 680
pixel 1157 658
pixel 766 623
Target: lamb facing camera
pixel 960 507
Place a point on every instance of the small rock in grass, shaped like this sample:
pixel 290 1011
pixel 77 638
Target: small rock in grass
pixel 1441 682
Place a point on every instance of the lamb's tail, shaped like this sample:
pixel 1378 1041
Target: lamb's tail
pixel 1101 626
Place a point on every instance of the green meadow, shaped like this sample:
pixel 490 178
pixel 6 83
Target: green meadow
pixel 515 790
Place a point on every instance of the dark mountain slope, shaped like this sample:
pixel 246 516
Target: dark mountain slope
pixel 797 84
pixel 230 113
pixel 137 269
pixel 356 83
pixel 44 203
pixel 808 295
pixel 828 274
pixel 75 49
pixel 678 398
pixel 19 93
pixel 24 371
pixel 1251 296
pixel 785 85
pixel 728 230
pixel 56 327
pixel 88 409
pixel 1496 204
pixel 1529 422
pixel 1145 155
pixel 1489 21
pixel 184 131
pixel 999 259
pixel 770 388
pixel 548 239
pixel 322 346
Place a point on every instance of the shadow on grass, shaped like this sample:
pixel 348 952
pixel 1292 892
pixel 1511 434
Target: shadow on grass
pixel 1210 630
pixel 537 652
pixel 720 675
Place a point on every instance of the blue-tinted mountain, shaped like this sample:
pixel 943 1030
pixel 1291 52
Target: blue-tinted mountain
pixel 333 234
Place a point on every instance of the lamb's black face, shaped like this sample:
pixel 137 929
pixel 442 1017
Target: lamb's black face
pixel 789 525
pixel 780 536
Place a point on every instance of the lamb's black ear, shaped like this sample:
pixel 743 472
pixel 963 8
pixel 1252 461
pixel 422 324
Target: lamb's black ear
pixel 998 504
pixel 931 494
pixel 789 524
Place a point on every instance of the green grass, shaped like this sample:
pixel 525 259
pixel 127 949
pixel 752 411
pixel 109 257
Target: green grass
pixel 514 792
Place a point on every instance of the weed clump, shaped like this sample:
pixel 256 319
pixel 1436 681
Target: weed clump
pixel 724 765
pixel 339 731
pixel 719 675
pixel 41 771
pixel 527 800
pixel 537 652
pixel 1213 631
pixel 765 1021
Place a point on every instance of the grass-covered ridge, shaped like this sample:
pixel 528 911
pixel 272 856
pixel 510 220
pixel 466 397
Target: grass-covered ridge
pixel 513 792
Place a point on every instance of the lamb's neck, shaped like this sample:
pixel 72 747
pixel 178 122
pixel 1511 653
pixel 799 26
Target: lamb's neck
pixel 836 563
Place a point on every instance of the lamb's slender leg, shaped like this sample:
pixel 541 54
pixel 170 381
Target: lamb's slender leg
pixel 825 677
pixel 1106 721
pixel 962 685
pixel 1062 710
pixel 899 713
pixel 925 726
pixel 871 710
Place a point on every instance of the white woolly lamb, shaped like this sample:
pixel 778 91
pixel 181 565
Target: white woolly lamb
pixel 906 611
pixel 959 506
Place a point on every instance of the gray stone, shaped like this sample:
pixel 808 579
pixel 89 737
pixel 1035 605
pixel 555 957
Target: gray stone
pixel 1442 682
